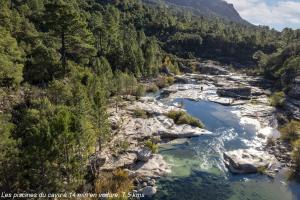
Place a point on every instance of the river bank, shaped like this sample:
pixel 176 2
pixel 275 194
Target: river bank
pixel 248 102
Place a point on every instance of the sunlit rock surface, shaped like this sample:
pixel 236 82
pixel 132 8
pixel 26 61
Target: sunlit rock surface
pixel 249 161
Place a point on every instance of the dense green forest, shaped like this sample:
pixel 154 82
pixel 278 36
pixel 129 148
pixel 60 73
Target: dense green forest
pixel 284 63
pixel 61 60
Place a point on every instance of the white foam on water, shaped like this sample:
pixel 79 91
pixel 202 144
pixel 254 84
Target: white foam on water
pixel 228 134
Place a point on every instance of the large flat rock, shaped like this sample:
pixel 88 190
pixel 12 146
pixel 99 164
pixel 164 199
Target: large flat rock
pixel 236 92
pixel 181 131
pixel 155 167
pixel 248 161
pixel 123 160
pixel 159 124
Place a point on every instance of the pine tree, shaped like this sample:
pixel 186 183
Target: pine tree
pixel 65 23
pixel 98 95
pixel 42 66
pixel 55 142
pixel 11 60
pixel 8 156
pixel 5 14
pixel 152 57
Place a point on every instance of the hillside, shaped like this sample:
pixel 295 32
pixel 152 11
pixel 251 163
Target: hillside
pixel 208 8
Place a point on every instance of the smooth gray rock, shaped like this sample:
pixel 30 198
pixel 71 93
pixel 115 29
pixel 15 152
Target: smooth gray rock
pixel 155 167
pixel 248 161
pixel 152 182
pixel 144 155
pixel 237 92
pixel 149 191
pixel 182 131
pixel 115 122
pixel 123 160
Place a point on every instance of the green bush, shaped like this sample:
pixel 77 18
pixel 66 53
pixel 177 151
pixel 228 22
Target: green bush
pixel 152 88
pixel 139 113
pixel 140 91
pixel 187 119
pixel 117 181
pixel 2 94
pixel 152 146
pixel 262 169
pixel 181 117
pixel 121 146
pixel 170 80
pixel 290 131
pixel 164 81
pixel 296 154
pixel 277 99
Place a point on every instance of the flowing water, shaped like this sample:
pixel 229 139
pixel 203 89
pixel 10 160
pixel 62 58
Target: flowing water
pixel 198 171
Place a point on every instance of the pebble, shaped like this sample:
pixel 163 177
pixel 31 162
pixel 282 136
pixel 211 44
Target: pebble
pixel 152 183
pixel 148 191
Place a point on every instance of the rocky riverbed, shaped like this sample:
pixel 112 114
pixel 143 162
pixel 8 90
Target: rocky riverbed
pixel 250 104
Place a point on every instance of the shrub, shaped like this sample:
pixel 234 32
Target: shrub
pixel 170 80
pixel 116 182
pixel 181 117
pixel 262 169
pixel 152 146
pixel 187 119
pixel 139 113
pixel 290 131
pixel 296 154
pixel 152 88
pixel 174 114
pixel 277 99
pixel 140 91
pixel 164 81
pixel 121 146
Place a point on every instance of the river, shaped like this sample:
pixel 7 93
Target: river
pixel 198 170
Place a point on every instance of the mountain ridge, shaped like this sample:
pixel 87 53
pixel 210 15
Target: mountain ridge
pixel 209 8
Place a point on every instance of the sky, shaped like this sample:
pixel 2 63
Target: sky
pixel 277 14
